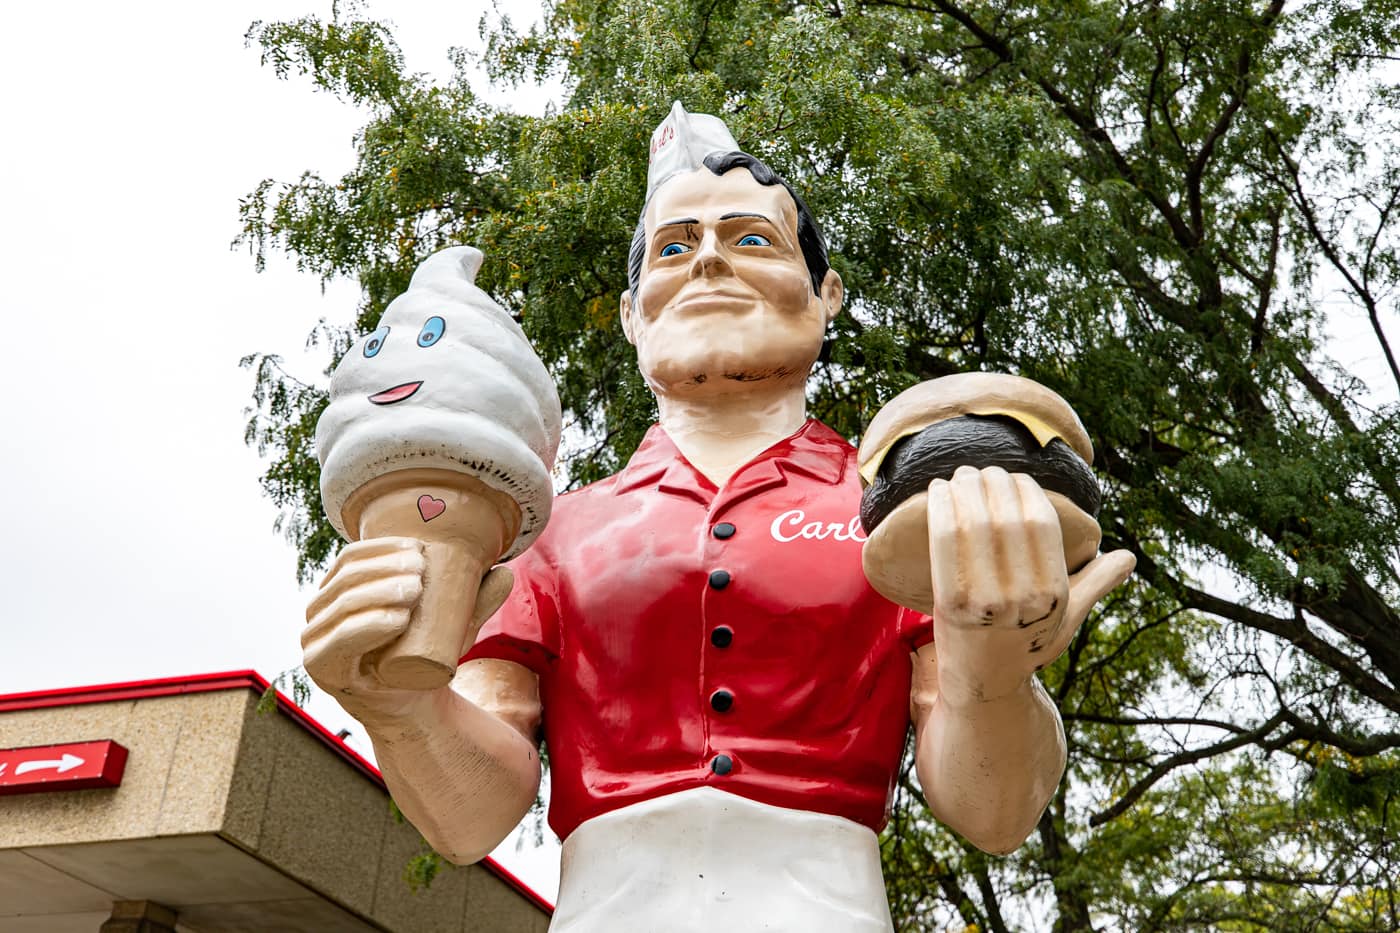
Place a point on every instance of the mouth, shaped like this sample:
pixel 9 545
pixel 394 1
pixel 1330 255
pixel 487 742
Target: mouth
pixel 703 300
pixel 396 394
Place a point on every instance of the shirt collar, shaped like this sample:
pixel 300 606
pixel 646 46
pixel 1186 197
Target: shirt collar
pixel 814 450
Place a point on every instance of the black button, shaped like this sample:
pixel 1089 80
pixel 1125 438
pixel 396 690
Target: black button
pixel 722 701
pixel 719 579
pixel 723 530
pixel 721 636
pixel 721 764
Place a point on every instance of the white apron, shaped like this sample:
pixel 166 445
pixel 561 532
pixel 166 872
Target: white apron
pixel 705 860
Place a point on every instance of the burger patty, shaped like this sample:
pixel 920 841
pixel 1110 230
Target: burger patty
pixel 980 441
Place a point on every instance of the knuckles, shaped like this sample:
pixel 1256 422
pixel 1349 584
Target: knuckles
pixel 990 610
pixel 1009 606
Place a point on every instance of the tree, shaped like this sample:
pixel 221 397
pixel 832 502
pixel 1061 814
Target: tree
pixel 1157 209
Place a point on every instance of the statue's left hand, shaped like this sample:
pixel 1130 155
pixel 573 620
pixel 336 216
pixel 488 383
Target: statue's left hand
pixel 1004 605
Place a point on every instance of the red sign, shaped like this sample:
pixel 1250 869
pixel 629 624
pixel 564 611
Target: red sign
pixel 73 766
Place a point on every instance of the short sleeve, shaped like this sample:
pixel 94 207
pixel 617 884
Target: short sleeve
pixel 526 627
pixel 915 628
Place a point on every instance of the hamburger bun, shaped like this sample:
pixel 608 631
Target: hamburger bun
pixel 1044 413
pixel 972 419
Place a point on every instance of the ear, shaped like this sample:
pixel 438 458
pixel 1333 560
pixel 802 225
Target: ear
pixel 833 293
pixel 624 313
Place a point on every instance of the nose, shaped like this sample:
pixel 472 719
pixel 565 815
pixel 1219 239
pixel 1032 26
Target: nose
pixel 709 258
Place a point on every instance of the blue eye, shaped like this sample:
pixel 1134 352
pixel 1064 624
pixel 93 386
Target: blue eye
pixel 376 340
pixel 754 239
pixel 432 330
pixel 674 249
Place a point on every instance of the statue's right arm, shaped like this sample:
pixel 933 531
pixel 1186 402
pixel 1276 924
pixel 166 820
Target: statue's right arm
pixel 461 761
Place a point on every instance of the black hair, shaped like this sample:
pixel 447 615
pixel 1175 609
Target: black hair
pixel 809 235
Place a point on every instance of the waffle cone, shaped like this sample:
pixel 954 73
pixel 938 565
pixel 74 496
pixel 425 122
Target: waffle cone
pixel 465 526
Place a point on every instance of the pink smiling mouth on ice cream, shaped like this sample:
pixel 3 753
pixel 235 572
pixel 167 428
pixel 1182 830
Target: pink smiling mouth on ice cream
pixel 396 394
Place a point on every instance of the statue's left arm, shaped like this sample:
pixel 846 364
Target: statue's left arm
pixel 989 743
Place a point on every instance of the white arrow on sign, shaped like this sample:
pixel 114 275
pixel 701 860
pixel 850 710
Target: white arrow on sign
pixel 66 763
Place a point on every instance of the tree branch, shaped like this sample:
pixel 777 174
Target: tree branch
pixel 1222 124
pixel 1300 199
pixel 1092 132
pixel 1136 721
pixel 1168 765
pixel 1354 674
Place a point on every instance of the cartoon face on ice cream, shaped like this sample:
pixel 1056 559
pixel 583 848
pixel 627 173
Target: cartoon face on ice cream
pixel 447 381
pixel 433 329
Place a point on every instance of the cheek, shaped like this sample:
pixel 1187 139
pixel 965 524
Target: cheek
pixel 787 289
pixel 656 290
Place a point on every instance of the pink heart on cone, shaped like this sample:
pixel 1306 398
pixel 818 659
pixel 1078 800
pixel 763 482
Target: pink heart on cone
pixel 430 508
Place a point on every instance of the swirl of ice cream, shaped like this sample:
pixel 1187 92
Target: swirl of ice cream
pixel 448 381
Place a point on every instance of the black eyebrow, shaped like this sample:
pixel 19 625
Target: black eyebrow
pixel 679 221
pixel 737 214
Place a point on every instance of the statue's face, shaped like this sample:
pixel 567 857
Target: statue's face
pixel 725 298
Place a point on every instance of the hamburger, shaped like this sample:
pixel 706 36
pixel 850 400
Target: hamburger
pixel 970 419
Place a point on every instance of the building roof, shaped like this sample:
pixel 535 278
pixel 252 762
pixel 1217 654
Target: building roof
pixel 263 802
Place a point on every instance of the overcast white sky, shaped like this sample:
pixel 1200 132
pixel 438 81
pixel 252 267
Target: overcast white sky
pixel 136 541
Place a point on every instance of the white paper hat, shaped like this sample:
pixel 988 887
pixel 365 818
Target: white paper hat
pixel 681 143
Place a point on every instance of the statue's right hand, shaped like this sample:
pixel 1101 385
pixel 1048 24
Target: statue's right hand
pixel 364 604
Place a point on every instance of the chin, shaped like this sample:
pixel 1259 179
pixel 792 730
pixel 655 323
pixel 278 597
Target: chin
pixel 720 352
pixel 724 371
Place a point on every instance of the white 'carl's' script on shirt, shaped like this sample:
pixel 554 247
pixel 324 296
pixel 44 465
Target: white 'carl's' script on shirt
pixel 793 524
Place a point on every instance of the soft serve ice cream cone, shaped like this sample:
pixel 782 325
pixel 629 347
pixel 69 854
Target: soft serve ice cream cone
pixel 443 426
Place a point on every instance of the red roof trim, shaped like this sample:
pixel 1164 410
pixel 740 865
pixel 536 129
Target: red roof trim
pixel 132 690
pixel 230 680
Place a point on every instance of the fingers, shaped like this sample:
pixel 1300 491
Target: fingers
pixel 943 547
pixel 364 603
pixel 365 561
pixel 1004 606
pixel 1042 527
pixel 995 546
pixel 334 656
pixel 369 547
pixel 964 550
pixel 1005 516
pixel 400 591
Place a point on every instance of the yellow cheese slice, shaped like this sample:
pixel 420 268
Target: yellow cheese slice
pixel 1041 430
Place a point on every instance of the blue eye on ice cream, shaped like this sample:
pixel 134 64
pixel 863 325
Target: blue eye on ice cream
pixel 376 340
pixel 432 330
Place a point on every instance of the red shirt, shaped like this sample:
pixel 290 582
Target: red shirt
pixel 687 636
